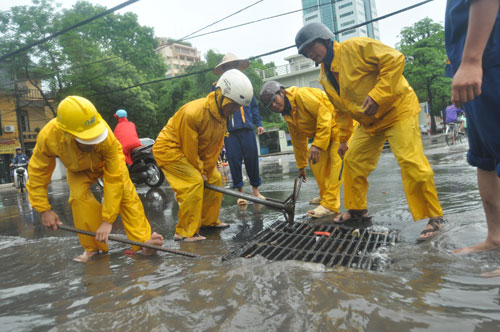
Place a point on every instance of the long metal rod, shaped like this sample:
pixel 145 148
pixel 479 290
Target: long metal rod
pixel 271 203
pixel 135 243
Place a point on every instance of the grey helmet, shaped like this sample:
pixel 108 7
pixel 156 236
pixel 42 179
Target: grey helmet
pixel 309 33
pixel 268 91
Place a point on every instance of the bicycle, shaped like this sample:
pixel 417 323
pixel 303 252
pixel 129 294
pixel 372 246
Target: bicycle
pixel 451 134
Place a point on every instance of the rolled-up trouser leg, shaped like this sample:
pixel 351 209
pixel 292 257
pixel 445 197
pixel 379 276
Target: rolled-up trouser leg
pixel 187 183
pixel 134 220
pixel 326 172
pixel 212 201
pixel 360 160
pixel 86 210
pixel 418 177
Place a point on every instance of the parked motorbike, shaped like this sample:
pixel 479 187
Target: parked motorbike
pixel 144 168
pixel 20 175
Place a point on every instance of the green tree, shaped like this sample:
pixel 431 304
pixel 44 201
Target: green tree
pixel 107 54
pixel 424 47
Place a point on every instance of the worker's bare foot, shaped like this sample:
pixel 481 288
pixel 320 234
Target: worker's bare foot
pixel 483 246
pixel 156 240
pixel 85 257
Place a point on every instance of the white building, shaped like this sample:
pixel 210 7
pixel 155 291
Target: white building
pixel 341 15
pixel 177 56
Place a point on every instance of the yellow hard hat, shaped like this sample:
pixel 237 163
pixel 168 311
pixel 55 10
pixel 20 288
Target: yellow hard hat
pixel 79 117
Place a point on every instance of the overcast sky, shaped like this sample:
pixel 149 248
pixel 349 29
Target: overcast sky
pixel 178 18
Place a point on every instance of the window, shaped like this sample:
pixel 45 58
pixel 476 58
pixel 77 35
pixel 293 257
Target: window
pixel 347 23
pixel 311 17
pixel 25 123
pixel 346 14
pixel 345 5
pixel 348 32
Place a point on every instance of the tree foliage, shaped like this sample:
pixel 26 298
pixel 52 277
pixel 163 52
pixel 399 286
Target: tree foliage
pixel 424 47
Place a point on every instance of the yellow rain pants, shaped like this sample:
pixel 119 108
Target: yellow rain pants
pixel 87 211
pixel 326 172
pixel 106 160
pixel 417 175
pixel 312 116
pixel 197 206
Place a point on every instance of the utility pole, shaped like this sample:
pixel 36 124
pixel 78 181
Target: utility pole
pixel 18 113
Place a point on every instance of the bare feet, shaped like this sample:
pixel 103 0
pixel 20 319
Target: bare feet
pixel 321 211
pixel 196 237
pixel 85 257
pixel 156 240
pixel 483 246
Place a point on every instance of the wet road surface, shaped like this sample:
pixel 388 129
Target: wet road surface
pixel 426 288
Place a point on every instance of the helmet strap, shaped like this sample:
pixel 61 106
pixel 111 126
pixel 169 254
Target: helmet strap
pixel 288 107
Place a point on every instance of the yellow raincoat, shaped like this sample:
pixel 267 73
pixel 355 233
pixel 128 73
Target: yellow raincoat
pixel 312 116
pixel 367 67
pixel 106 160
pixel 187 148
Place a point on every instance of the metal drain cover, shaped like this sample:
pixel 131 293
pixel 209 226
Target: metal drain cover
pixel 330 245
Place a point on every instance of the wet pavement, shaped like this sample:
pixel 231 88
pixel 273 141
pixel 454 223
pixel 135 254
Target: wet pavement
pixel 426 288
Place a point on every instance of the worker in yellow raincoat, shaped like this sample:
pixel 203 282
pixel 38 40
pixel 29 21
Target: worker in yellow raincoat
pixel 364 80
pixel 309 115
pixel 85 144
pixel 187 150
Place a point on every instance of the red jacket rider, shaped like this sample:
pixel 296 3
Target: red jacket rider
pixel 126 133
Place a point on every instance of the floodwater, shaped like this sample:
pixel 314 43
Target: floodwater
pixel 426 288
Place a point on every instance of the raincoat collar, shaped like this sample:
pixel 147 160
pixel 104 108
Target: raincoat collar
pixel 212 106
pixel 329 55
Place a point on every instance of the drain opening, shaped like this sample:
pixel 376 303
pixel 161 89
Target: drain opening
pixel 330 245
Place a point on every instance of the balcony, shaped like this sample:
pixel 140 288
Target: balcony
pixel 291 68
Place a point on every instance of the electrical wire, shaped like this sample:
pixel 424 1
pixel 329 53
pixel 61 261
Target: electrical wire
pixel 133 53
pixel 54 35
pixel 267 53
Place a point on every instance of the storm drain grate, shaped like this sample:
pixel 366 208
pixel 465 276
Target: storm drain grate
pixel 330 245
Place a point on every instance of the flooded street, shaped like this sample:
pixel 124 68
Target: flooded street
pixel 426 288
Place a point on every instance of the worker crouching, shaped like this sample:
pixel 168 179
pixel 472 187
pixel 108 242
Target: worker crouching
pixel 187 150
pixel 85 144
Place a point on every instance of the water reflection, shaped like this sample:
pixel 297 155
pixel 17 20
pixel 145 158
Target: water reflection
pixel 425 287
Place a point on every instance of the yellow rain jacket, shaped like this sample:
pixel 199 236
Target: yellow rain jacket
pixel 106 161
pixel 196 132
pixel 367 67
pixel 187 148
pixel 312 116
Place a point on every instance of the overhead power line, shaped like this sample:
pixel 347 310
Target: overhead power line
pixel 162 46
pixel 267 53
pixel 52 36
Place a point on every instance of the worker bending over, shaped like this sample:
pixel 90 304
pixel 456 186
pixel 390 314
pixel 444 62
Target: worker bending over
pixel 309 115
pixel 187 150
pixel 364 80
pixel 85 144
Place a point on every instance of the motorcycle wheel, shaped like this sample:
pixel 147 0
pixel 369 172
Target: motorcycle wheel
pixel 155 176
pixel 100 182
pixel 21 183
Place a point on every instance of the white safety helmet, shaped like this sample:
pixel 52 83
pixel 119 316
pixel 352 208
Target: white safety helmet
pixel 236 86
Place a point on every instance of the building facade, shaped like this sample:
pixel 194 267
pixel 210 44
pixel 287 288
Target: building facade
pixel 177 56
pixel 340 15
pixel 23 112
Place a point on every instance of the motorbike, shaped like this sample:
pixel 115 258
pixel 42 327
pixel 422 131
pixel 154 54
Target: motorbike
pixel 144 168
pixel 20 176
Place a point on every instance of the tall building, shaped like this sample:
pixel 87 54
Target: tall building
pixel 341 14
pixel 177 56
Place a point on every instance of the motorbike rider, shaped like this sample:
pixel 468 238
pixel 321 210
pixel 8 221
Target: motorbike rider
pixel 19 158
pixel 126 133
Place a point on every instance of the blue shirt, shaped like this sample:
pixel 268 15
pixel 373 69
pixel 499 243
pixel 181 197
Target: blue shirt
pixel 456 23
pixel 20 159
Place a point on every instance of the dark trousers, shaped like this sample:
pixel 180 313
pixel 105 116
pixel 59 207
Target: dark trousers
pixel 242 146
